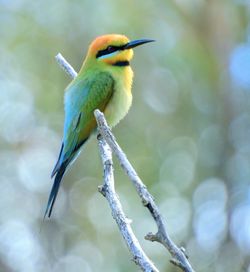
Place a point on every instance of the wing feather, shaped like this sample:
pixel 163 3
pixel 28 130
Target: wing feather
pixel 81 99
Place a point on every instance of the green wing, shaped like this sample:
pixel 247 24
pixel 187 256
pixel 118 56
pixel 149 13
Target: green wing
pixel 81 99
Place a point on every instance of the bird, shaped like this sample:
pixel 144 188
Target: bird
pixel 104 82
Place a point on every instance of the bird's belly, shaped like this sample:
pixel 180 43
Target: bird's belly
pixel 119 105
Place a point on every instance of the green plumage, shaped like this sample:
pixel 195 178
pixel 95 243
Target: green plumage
pixel 82 97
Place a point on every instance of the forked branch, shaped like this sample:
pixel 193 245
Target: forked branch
pixel 108 191
pixel 179 257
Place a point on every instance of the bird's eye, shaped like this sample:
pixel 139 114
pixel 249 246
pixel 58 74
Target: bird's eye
pixel 110 48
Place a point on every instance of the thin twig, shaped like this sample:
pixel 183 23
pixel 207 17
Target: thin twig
pixel 65 65
pixel 108 190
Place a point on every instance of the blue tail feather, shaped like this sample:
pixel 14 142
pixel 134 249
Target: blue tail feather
pixel 54 190
pixel 59 171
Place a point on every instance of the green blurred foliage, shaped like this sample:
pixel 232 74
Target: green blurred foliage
pixel 187 134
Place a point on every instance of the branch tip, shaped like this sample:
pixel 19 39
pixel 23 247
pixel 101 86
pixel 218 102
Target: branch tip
pixel 152 237
pixel 129 221
pixel 101 190
pixel 65 65
pixel 176 262
pixel 183 250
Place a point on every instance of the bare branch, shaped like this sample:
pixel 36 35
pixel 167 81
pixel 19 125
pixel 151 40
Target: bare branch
pixel 65 65
pixel 108 190
pixel 179 258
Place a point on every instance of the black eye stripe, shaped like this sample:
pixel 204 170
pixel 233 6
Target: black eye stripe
pixel 108 50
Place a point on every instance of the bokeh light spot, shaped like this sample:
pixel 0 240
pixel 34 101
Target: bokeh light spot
pixel 210 221
pixel 240 65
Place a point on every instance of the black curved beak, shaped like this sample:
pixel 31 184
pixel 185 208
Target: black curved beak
pixel 135 43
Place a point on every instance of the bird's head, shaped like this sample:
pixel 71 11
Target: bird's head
pixel 113 49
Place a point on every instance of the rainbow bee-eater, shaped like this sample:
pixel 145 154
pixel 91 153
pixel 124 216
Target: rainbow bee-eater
pixel 103 82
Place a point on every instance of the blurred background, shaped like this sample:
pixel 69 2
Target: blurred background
pixel 187 134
